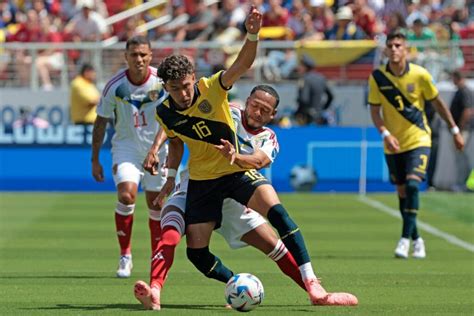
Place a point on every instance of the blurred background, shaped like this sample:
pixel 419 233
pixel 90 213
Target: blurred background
pixel 49 48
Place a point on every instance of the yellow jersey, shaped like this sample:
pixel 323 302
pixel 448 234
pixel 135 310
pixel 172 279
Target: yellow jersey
pixel 201 126
pixel 82 94
pixel 403 103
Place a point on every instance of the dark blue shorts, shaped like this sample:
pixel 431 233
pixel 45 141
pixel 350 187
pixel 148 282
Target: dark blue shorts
pixel 414 161
pixel 205 198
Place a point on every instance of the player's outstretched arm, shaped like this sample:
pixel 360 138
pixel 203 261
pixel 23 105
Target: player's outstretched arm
pixel 152 161
pixel 247 54
pixel 98 135
pixel 445 114
pixel 257 160
pixel 389 140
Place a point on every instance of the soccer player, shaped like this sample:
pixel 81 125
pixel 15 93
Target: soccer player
pixel 401 89
pixel 198 113
pixel 240 226
pixel 128 98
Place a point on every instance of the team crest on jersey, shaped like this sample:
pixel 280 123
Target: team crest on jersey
pixel 205 107
pixel 411 87
pixel 153 95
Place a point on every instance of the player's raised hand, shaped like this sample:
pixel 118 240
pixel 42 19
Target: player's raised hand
pixel 151 163
pixel 253 23
pixel 227 150
pixel 97 171
pixel 392 143
pixel 165 191
pixel 458 141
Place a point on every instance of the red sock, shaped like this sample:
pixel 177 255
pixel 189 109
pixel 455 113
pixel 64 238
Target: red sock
pixel 124 225
pixel 288 266
pixel 163 257
pixel 155 233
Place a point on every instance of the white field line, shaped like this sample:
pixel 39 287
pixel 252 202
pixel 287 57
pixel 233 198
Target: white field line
pixel 426 227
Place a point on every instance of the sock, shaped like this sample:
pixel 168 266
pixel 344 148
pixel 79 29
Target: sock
pixel 123 225
pixel 402 205
pixel 163 256
pixel 289 233
pixel 414 231
pixel 412 206
pixel 172 228
pixel 306 271
pixel 210 265
pixel 286 263
pixel 154 223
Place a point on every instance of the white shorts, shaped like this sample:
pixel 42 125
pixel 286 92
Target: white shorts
pixel 130 169
pixel 237 220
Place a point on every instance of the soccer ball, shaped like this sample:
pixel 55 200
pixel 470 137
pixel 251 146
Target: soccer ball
pixel 303 178
pixel 244 292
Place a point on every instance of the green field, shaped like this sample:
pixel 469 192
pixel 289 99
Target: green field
pixel 58 255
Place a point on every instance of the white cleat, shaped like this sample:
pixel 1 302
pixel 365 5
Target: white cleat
pixel 402 249
pixel 125 267
pixel 419 251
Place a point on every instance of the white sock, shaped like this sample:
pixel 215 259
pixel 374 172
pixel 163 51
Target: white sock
pixel 306 271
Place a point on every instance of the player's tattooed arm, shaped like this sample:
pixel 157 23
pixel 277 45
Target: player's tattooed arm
pixel 98 135
pixel 257 160
pixel 445 114
pixel 152 160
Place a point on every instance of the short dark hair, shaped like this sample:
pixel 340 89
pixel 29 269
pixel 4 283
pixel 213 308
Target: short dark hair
pixel 395 34
pixel 86 67
pixel 456 74
pixel 137 40
pixel 268 89
pixel 175 67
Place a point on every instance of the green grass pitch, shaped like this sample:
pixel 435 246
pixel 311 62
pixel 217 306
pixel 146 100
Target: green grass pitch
pixel 58 255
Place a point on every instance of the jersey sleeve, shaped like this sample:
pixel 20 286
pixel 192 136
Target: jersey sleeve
pixel 374 93
pixel 107 105
pixel 428 87
pixel 270 145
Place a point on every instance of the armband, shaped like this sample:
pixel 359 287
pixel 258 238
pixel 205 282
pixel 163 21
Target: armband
pixel 172 173
pixel 385 133
pixel 252 37
pixel 454 130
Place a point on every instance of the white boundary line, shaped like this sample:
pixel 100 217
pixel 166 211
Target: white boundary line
pixel 426 227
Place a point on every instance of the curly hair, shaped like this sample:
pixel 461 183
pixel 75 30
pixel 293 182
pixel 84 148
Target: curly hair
pixel 175 67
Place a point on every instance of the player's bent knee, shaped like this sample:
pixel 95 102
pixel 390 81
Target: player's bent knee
pixel 412 186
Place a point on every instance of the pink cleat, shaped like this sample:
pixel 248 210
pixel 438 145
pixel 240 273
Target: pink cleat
pixel 338 299
pixel 149 297
pixel 319 296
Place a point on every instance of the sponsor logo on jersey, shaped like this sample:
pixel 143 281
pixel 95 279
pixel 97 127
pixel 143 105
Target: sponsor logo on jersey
pixel 386 87
pixel 205 107
pixel 180 122
pixel 153 95
pixel 411 87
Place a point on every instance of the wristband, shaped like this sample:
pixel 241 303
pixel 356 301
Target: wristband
pixel 385 133
pixel 454 130
pixel 252 37
pixel 172 173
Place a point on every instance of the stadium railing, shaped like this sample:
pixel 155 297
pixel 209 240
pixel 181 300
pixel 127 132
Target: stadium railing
pixel 345 68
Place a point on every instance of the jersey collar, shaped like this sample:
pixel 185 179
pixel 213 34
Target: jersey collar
pixel 405 71
pixel 196 96
pixel 138 83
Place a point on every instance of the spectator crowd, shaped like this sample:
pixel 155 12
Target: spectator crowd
pixel 222 21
